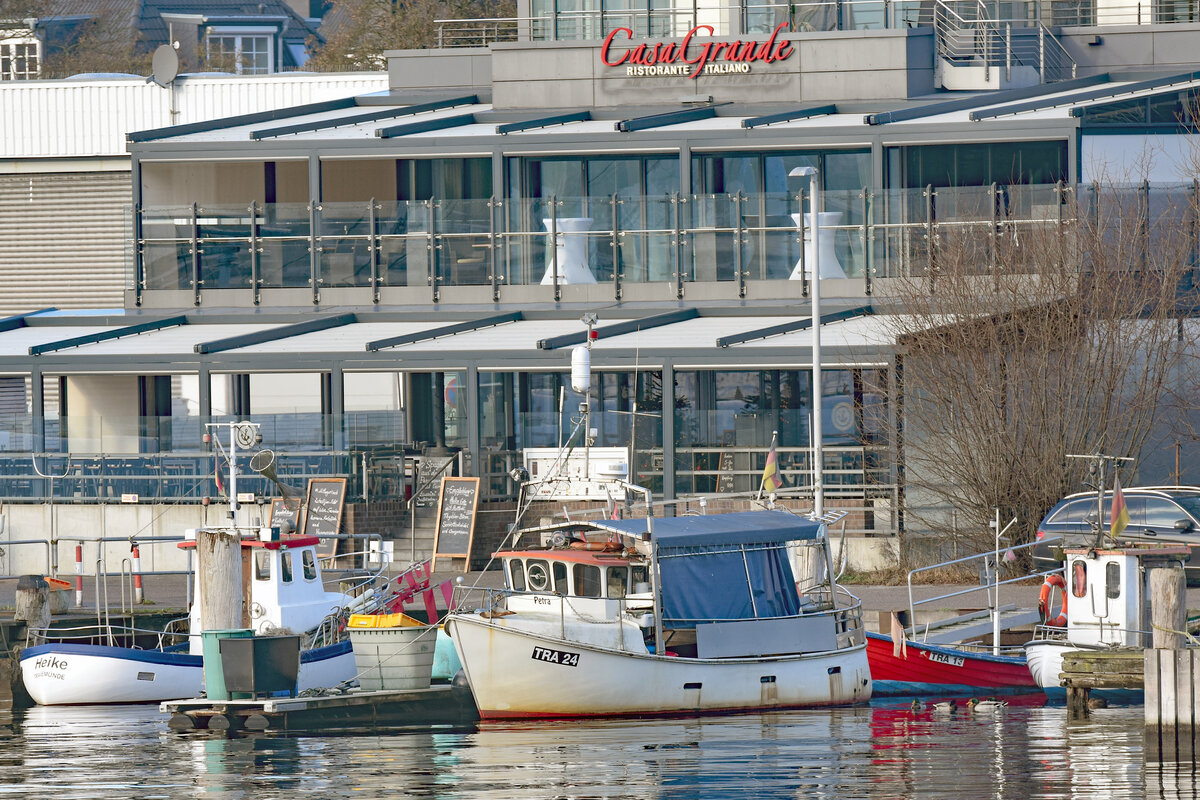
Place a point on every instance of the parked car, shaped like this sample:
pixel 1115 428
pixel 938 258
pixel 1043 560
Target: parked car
pixel 1157 514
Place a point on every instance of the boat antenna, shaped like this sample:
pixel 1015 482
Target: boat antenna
pixel 1098 462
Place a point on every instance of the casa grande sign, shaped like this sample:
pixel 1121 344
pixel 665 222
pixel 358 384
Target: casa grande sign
pixel 690 57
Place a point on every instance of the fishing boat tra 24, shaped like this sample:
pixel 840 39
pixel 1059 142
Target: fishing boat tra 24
pixel 680 615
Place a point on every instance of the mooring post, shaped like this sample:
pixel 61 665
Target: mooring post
pixel 219 578
pixel 1170 674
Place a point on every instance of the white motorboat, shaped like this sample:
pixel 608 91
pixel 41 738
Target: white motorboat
pixel 682 615
pixel 286 594
pixel 1105 598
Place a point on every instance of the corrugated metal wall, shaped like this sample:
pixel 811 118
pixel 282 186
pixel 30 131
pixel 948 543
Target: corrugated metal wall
pixel 47 119
pixel 63 239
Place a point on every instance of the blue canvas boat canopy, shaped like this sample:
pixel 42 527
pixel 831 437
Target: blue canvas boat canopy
pixel 718 530
pixel 724 567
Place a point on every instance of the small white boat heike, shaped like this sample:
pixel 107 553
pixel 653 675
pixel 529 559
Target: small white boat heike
pixel 286 595
pixel 681 615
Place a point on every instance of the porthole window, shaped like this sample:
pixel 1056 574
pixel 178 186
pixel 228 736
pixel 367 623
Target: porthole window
pixel 538 575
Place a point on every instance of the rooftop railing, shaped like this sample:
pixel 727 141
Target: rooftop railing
pixel 618 240
pixel 814 15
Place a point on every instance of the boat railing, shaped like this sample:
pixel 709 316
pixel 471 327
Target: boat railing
pixel 991 560
pixel 113 635
pixel 494 603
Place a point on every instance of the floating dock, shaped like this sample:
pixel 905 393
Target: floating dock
pixel 437 705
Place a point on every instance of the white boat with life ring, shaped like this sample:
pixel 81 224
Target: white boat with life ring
pixel 1105 600
pixel 682 615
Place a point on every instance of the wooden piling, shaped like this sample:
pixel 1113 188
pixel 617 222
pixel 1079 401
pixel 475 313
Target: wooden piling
pixel 33 601
pixel 1172 703
pixel 1168 608
pixel 219 578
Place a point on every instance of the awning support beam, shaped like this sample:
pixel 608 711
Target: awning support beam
pixel 620 328
pixel 274 334
pixel 104 336
pixel 795 325
pixel 445 330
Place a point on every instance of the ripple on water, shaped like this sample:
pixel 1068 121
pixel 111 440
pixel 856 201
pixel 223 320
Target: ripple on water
pixel 880 751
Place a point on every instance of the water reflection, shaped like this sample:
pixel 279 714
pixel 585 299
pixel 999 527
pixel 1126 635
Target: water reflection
pixel 1024 750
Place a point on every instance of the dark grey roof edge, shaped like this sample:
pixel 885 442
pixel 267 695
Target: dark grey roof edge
pixel 106 335
pixel 620 328
pixel 446 330
pixel 1081 97
pixel 243 119
pixel 369 116
pixel 18 320
pixel 982 100
pixel 795 325
pixel 788 116
pixel 282 332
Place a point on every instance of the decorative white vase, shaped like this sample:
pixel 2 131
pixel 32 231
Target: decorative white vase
pixel 571 249
pixel 829 264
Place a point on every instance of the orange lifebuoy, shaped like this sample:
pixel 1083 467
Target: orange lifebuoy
pixel 1053 582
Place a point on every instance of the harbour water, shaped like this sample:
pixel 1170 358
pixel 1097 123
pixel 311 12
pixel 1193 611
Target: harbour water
pixel 885 750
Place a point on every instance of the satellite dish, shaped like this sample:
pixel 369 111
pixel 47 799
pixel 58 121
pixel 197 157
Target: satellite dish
pixel 164 67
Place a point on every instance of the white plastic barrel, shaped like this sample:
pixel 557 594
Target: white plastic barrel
pixel 581 369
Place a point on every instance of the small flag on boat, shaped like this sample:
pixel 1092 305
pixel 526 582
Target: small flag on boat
pixel 217 475
pixel 899 640
pixel 772 478
pixel 1120 514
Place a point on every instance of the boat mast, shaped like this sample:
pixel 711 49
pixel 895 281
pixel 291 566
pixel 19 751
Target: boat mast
pixel 1099 462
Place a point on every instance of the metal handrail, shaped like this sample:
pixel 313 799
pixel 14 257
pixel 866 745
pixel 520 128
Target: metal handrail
pixel 990 554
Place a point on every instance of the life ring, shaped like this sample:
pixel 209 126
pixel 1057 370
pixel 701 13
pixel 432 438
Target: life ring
pixel 1053 582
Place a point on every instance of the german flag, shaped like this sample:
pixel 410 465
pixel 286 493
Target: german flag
pixel 1120 514
pixel 772 478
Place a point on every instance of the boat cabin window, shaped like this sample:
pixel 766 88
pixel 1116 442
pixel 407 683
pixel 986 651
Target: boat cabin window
pixel 516 574
pixel 538 575
pixel 285 566
pixel 262 565
pixel 560 578
pixel 639 578
pixel 310 565
pixel 618 581
pixel 1112 580
pixel 587 580
pixel 1079 578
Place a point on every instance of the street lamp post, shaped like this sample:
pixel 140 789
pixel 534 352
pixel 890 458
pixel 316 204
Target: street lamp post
pixel 814 291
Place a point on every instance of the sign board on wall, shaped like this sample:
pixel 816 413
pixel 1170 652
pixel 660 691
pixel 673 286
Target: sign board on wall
pixel 457 502
pixel 695 55
pixel 323 511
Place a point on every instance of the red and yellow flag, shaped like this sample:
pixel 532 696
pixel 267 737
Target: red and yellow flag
pixel 1120 514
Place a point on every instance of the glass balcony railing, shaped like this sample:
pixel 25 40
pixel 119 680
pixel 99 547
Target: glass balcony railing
pixel 618 240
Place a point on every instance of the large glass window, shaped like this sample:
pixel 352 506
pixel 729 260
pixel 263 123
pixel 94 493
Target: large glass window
pixel 954 165
pixel 592 197
pixel 587 580
pixel 765 196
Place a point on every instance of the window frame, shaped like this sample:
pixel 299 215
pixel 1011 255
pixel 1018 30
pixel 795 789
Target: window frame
pixel 9 58
pixel 241 34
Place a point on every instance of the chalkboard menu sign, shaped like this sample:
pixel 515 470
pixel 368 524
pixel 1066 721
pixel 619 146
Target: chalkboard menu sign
pixel 725 472
pixel 455 518
pixel 285 514
pixel 323 511
pixel 428 470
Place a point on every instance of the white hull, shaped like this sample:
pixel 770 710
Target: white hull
pixel 72 674
pixel 516 673
pixel 1045 658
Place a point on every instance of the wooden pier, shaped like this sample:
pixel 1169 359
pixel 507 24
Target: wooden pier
pixel 437 705
pixel 1085 670
pixel 1172 704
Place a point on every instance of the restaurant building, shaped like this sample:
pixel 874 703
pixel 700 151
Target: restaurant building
pixel 400 275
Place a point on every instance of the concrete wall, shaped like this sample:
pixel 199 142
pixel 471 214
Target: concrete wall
pixel 1158 47
pixel 826 66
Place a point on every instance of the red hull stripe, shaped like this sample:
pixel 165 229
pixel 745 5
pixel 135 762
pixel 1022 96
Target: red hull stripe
pixel 975 669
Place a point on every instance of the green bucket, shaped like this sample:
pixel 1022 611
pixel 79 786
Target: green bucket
pixel 214 674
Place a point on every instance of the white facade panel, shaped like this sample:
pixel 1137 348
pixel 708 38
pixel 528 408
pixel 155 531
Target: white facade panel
pixel 72 119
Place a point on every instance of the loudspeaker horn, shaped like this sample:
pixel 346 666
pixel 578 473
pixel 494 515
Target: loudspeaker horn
pixel 263 462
